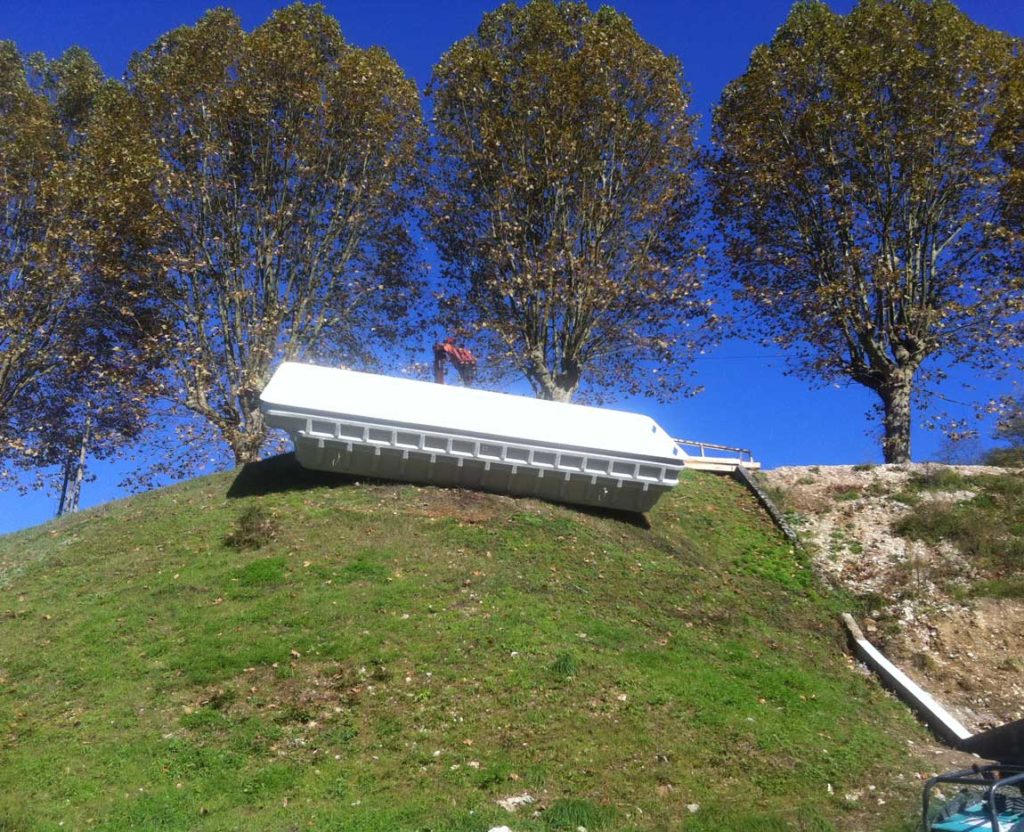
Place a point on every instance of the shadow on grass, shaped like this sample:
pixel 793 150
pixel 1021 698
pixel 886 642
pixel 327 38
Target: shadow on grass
pixel 633 518
pixel 283 473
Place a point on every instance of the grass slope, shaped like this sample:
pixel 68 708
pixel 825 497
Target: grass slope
pixel 398 658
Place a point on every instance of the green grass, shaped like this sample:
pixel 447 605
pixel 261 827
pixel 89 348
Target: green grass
pixel 571 813
pixel 396 658
pixel 988 528
pixel 1011 587
pixel 1007 457
pixel 939 478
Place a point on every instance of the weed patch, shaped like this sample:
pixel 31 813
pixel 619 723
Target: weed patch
pixel 254 529
pixel 939 478
pixel 989 528
pixel 1001 588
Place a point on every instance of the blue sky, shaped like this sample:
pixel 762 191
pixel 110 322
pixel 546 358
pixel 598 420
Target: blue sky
pixel 747 398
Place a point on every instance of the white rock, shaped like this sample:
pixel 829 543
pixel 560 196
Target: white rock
pixel 692 808
pixel 513 802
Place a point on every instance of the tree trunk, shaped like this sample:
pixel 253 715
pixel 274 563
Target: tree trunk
pixel 895 395
pixel 248 441
pixel 553 387
pixel 74 474
pixel 65 485
pixel 554 393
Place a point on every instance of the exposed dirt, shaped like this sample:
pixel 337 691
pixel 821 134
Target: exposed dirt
pixel 966 653
pixel 467 506
pixel 300 708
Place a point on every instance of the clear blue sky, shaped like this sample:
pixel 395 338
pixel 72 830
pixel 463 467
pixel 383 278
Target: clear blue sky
pixel 748 400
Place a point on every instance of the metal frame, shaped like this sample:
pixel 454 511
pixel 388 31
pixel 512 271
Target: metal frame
pixel 744 454
pixel 990 776
pixel 433 444
pixel 702 461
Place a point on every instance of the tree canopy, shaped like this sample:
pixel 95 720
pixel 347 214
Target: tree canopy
pixel 563 201
pixel 1010 142
pixel 31 303
pixel 857 187
pixel 76 328
pixel 290 160
pixel 244 197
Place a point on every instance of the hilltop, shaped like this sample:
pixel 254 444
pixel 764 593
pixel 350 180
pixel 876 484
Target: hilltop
pixel 273 649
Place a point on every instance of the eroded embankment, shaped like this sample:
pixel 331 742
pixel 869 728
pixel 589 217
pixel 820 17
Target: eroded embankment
pixel 935 551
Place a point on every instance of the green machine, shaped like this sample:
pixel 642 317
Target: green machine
pixel 987 798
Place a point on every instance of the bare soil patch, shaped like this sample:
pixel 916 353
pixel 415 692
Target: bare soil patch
pixel 965 650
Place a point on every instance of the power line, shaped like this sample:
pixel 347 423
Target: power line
pixel 738 357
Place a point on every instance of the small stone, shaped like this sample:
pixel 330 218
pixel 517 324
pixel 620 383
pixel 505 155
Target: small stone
pixel 692 808
pixel 513 802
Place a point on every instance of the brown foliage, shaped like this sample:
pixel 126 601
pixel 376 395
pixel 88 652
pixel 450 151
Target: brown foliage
pixel 289 158
pixel 857 187
pixel 563 200
pixel 76 330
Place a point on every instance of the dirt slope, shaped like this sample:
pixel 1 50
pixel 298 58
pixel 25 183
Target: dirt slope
pixel 926 612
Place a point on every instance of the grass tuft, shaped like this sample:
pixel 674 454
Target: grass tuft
pixel 572 813
pixel 565 665
pixel 254 529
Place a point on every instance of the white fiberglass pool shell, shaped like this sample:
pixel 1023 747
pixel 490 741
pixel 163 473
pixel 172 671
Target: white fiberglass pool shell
pixel 379 426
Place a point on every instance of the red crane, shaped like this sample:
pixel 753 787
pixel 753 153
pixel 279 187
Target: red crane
pixel 463 360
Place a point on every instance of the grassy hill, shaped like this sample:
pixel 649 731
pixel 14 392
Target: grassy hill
pixel 273 650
